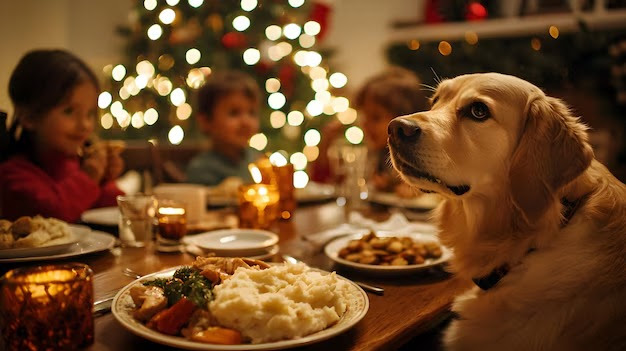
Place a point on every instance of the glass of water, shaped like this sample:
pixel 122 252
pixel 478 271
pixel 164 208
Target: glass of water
pixel 136 218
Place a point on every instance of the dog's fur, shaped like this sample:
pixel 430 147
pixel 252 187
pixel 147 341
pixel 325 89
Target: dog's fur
pixel 566 288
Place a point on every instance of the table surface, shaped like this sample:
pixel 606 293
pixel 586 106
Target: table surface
pixel 411 304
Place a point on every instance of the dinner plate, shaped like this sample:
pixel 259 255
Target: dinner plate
pixel 108 216
pixel 93 241
pixel 423 202
pixel 234 242
pixel 56 246
pixel 332 251
pixel 122 308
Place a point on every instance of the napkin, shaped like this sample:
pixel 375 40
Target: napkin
pixel 357 224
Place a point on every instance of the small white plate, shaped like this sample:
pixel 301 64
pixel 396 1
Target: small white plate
pixel 56 246
pixel 234 242
pixel 122 309
pixel 424 202
pixel 315 192
pixel 91 242
pixel 332 251
pixel 108 216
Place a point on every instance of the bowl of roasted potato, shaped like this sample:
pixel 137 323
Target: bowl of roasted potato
pixel 386 252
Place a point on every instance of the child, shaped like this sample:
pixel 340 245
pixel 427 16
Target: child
pixel 54 95
pixel 227 108
pixel 389 94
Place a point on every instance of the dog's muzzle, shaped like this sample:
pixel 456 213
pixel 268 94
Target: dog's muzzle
pixel 403 130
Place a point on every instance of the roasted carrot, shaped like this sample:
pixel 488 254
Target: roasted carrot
pixel 171 320
pixel 218 335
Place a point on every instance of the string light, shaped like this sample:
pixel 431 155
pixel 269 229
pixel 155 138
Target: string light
pixel 300 58
pixel 195 78
pixel 150 116
pixel 311 152
pixel 312 137
pixel 445 48
pixel 251 56
pixel 258 141
pixel 340 104
pixel 145 68
pixel 193 56
pixel 241 23
pixel 295 118
pixel 176 135
pixel 338 80
pixel 141 81
pixel 296 3
pixel 177 96
pixel 314 108
pixel 306 41
pixel 317 73
pixel 183 111
pixel 414 44
pixel 106 121
pixel 323 96
pixel 150 4
pixel 273 32
pixel 276 100
pixel 354 135
pixel 471 37
pixel 118 73
pixel 554 32
pixel 104 99
pixel 278 159
pixel 117 109
pixel 155 31
pixel 248 5
pixel 163 86
pixel 298 160
pixel 313 59
pixel 167 16
pixel 300 179
pixel 312 28
pixel 347 117
pixel 277 119
pixel 272 85
pixel 172 2
pixel 319 85
pixel 137 120
pixel 196 3
pixel 292 31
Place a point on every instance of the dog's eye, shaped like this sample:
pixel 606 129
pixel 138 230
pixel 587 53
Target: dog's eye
pixel 478 110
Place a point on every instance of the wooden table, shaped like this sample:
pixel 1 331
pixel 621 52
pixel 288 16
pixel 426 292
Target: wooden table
pixel 410 306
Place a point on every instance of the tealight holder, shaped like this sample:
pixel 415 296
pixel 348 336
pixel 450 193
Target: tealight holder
pixel 258 206
pixel 47 307
pixel 171 225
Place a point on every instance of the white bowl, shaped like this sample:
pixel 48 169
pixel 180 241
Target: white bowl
pixel 234 242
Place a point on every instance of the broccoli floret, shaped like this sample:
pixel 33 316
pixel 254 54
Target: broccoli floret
pixel 173 291
pixel 185 273
pixel 159 282
pixel 198 290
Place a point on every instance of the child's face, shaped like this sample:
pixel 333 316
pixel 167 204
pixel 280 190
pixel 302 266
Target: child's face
pixel 66 127
pixel 234 120
pixel 374 120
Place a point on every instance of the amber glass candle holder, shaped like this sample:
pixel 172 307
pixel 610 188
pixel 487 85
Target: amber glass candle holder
pixel 286 190
pixel 258 206
pixel 47 308
pixel 171 225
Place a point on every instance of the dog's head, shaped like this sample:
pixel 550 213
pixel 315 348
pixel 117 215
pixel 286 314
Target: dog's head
pixel 489 133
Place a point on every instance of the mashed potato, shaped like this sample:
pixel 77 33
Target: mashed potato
pixel 282 302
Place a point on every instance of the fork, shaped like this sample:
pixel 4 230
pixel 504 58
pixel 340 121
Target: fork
pixel 103 306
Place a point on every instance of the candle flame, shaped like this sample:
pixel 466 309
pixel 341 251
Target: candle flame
pixel 255 172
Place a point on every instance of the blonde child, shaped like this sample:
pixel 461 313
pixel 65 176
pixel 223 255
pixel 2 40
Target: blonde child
pixel 47 168
pixel 228 108
pixel 384 96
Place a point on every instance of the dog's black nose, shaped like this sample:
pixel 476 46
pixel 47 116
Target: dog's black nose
pixel 404 129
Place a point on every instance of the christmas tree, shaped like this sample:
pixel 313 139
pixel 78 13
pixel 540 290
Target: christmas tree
pixel 174 45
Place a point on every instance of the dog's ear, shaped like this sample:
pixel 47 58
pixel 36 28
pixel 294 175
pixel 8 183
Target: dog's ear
pixel 552 151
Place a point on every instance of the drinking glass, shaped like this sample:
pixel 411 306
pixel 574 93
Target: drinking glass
pixel 137 215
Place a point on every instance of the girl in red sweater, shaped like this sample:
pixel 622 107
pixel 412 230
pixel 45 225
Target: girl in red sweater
pixel 46 168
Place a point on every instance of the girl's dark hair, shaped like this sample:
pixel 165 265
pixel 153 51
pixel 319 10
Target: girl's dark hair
pixel 397 89
pixel 41 80
pixel 220 84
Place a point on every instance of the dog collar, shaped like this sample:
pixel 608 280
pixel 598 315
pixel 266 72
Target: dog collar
pixel 490 280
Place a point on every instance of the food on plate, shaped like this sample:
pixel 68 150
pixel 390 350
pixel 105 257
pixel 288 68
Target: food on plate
pixel 221 300
pixel 29 232
pixel 389 250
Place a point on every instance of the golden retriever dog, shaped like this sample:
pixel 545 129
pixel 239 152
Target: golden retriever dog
pixel 534 220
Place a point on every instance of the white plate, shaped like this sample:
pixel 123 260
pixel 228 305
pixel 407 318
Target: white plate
pixel 234 242
pixel 93 241
pixel 122 311
pixel 332 251
pixel 103 216
pixel 423 202
pixel 76 233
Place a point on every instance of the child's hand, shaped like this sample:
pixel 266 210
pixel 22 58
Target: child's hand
pixel 95 162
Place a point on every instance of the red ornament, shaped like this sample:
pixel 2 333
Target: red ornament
pixel 233 40
pixel 475 12
pixel 320 13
